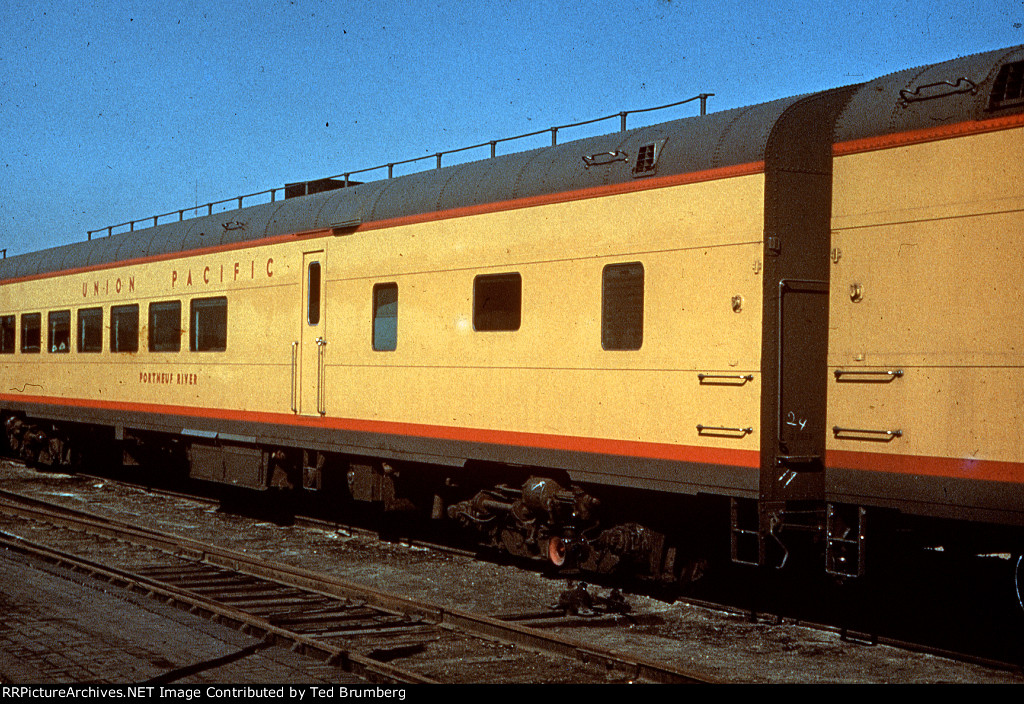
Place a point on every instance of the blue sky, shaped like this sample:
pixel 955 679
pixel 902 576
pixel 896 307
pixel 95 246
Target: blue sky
pixel 122 110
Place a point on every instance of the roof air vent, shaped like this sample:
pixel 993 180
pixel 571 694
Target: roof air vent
pixel 1008 89
pixel 647 158
pixel 306 188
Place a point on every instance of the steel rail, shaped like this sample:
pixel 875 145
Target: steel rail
pixel 373 670
pixel 445 617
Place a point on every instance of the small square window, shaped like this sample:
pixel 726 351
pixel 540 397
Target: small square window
pixel 497 302
pixel 385 317
pixel 208 328
pixel 59 331
pixel 90 330
pixel 31 332
pixel 124 328
pixel 165 326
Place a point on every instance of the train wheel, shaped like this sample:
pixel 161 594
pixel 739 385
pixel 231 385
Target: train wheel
pixel 556 551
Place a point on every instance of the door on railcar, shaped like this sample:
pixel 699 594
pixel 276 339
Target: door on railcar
pixel 803 363
pixel 308 396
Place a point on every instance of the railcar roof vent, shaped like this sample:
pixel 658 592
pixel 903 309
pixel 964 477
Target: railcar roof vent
pixel 647 158
pixel 1008 89
pixel 306 188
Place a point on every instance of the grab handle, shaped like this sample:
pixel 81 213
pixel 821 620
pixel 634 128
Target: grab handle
pixel 867 434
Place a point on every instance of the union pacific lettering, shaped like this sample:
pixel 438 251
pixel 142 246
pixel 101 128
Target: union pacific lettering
pixel 104 287
pixel 222 273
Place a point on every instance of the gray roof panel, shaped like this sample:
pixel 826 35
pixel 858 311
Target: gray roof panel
pixel 930 96
pixel 99 251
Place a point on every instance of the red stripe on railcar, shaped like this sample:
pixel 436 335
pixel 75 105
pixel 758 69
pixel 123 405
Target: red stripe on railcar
pixel 960 468
pixel 566 443
pixel 930 134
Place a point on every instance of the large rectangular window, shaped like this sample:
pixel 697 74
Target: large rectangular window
pixel 31 332
pixel 385 317
pixel 124 328
pixel 58 338
pixel 165 326
pixel 622 306
pixel 208 326
pixel 7 333
pixel 497 302
pixel 90 330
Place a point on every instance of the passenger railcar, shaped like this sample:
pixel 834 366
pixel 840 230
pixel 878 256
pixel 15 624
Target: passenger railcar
pixel 745 334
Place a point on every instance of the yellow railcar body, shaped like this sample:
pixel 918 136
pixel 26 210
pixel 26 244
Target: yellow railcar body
pixel 551 376
pixel 243 377
pixel 548 384
pixel 925 279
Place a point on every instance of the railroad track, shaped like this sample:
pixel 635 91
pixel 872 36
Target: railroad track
pixel 380 636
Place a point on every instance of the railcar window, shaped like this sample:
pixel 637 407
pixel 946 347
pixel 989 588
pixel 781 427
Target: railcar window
pixel 165 326
pixel 622 306
pixel 90 330
pixel 497 302
pixel 31 332
pixel 7 328
pixel 313 291
pixel 58 337
pixel 208 330
pixel 124 328
pixel 385 317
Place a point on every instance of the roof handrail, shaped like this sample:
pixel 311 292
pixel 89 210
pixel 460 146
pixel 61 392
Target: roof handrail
pixel 437 156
